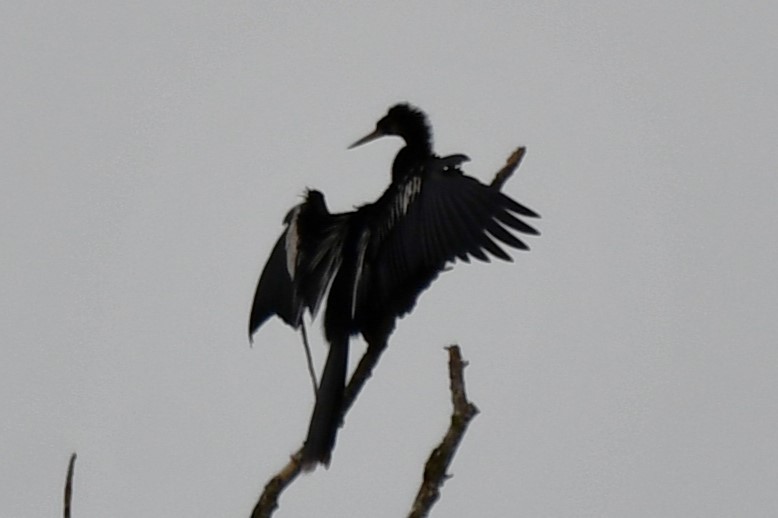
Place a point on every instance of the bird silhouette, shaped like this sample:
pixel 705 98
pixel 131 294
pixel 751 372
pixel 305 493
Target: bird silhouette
pixel 373 262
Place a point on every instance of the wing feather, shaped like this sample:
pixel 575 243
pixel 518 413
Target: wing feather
pixel 452 216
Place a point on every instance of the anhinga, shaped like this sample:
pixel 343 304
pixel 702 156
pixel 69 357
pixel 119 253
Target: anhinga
pixel 373 262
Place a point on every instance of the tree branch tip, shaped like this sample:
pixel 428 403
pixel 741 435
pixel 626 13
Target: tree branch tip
pixel 517 155
pixel 68 498
pixel 510 166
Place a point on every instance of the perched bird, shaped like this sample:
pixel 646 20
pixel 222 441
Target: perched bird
pixel 372 263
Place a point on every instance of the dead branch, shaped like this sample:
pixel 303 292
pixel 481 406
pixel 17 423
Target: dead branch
pixel 510 166
pixel 441 457
pixel 69 486
pixel 268 500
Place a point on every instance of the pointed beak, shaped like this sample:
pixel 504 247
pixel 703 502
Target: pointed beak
pixel 367 138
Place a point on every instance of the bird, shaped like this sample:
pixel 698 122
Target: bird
pixel 373 262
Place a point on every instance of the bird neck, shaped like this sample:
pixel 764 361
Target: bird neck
pixel 417 135
pixel 407 159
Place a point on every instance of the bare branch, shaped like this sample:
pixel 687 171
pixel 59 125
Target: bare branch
pixel 507 170
pixel 361 374
pixel 441 457
pixel 69 486
pixel 268 501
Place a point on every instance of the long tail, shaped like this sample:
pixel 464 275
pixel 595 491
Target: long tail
pixel 327 412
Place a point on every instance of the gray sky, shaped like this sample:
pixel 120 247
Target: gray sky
pixel 626 366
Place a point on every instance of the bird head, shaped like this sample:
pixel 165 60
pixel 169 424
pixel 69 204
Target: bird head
pixel 404 121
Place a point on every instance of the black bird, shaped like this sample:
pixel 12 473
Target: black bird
pixel 373 262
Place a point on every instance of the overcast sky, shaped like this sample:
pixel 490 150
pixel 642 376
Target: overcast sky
pixel 626 366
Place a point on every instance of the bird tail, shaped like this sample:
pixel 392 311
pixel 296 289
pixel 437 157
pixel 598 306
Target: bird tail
pixel 326 417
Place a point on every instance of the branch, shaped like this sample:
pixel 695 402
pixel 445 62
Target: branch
pixel 69 486
pixel 441 457
pixel 268 500
pixel 507 170
pixel 361 374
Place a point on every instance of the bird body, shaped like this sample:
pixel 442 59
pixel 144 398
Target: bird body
pixel 373 262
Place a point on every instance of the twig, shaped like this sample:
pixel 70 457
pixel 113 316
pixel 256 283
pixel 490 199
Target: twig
pixel 69 486
pixel 441 457
pixel 507 170
pixel 361 374
pixel 268 501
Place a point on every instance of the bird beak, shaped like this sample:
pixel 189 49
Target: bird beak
pixel 367 138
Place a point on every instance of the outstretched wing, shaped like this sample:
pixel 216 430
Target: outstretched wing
pixel 448 215
pixel 301 265
pixel 275 293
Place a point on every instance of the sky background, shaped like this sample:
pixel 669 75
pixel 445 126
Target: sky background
pixel 626 366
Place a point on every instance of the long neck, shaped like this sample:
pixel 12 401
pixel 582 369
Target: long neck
pixel 418 148
pixel 413 128
pixel 406 159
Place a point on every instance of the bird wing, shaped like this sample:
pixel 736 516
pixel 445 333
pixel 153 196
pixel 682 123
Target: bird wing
pixel 445 215
pixel 275 293
pixel 320 236
pixel 302 264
